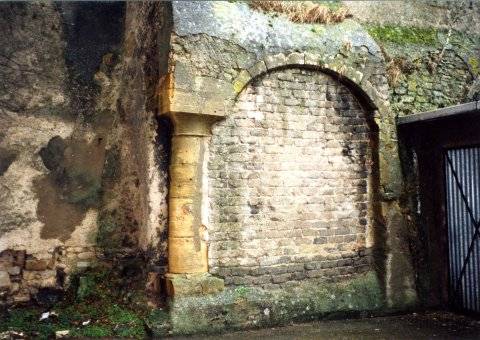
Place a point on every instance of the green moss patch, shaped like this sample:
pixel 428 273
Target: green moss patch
pixel 474 65
pixel 109 235
pixel 98 303
pixel 403 35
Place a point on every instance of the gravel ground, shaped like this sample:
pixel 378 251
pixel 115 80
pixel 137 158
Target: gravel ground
pixel 427 325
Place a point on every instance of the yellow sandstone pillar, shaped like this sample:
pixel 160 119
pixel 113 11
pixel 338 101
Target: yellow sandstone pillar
pixel 187 246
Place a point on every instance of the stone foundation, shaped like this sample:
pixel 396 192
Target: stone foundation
pixel 251 307
pixel 23 275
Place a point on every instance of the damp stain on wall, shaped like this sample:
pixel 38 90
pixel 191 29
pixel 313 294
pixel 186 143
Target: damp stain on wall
pixel 72 186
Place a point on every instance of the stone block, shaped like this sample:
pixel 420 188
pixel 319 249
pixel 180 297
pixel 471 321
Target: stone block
pixel 187 255
pixel 296 58
pixel 312 59
pixel 193 284
pixel 281 278
pixel 86 255
pixel 183 75
pixel 14 270
pixel 40 279
pixel 257 69
pixel 5 282
pixel 275 60
pixel 22 297
pixel 84 264
pixel 242 79
pixel 37 265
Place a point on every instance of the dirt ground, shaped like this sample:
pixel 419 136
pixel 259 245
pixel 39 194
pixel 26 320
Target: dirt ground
pixel 427 325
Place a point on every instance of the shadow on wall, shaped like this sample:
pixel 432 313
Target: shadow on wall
pixel 163 143
pixel 92 29
pixel 74 183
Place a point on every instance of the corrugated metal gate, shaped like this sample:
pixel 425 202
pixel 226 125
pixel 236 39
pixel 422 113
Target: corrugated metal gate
pixel 462 174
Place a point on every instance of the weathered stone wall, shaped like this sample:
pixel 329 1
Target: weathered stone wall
pixel 134 213
pixel 213 62
pixel 427 67
pixel 462 15
pixel 39 212
pixel 288 181
pixel 81 174
pixel 424 84
pixel 216 56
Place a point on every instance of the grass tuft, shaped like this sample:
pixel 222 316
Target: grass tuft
pixel 303 11
pixel 403 35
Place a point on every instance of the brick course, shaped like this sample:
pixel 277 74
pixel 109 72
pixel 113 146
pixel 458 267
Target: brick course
pixel 288 182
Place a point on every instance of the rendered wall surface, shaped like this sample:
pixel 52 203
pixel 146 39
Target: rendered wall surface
pixel 81 165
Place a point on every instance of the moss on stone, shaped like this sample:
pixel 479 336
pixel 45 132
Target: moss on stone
pixel 158 321
pixel 111 169
pixel 403 35
pixel 243 307
pixel 474 65
pixel 108 235
pixel 93 295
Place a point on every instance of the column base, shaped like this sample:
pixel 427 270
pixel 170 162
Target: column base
pixel 193 284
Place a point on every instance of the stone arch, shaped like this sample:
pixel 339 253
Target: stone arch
pixel 247 222
pixel 372 97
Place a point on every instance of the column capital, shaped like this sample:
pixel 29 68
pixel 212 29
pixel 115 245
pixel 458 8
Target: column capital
pixel 192 124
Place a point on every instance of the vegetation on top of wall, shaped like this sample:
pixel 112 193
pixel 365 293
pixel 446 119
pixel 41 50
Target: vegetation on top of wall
pixel 422 63
pixel 403 35
pixel 324 12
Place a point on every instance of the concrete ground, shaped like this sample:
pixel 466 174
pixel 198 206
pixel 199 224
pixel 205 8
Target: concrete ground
pixel 428 325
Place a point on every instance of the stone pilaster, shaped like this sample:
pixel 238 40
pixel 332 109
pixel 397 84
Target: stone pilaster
pixel 187 246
